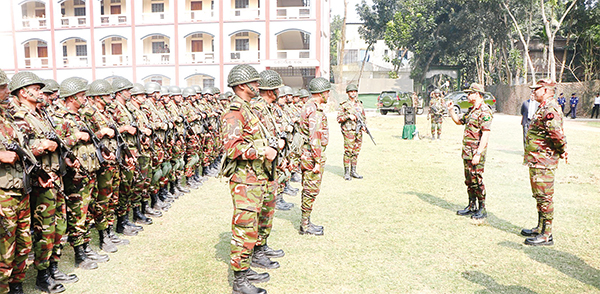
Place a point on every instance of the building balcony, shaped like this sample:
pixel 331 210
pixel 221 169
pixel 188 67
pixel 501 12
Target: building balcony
pixel 199 15
pixel 200 57
pixel 155 17
pixel 34 23
pixel 293 54
pixel 293 12
pixel 73 21
pixel 158 58
pixel 246 13
pixel 113 20
pixel 245 56
pixel 115 60
pixel 40 62
pixel 75 61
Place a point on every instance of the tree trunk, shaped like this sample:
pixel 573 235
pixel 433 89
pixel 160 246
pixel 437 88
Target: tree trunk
pixel 526 58
pixel 362 67
pixel 481 67
pixel 551 36
pixel 342 45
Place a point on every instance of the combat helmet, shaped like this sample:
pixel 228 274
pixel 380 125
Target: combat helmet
pixel 216 90
pixel 99 88
pixel 120 83
pixel 285 90
pixel 174 90
pixel 197 89
pixel 242 74
pixel 23 79
pixel 351 87
pixel 304 93
pixel 319 85
pixel 164 90
pixel 51 86
pixel 188 91
pixel 269 80
pixel 152 87
pixel 72 86
pixel 3 78
pixel 138 89
pixel 208 90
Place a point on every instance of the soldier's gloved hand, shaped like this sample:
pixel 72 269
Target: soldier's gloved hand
pixel 8 157
pixel 270 153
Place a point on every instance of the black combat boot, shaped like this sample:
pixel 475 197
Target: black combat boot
pixel 471 208
pixel 191 183
pixel 165 195
pixel 139 217
pixel 115 239
pixel 296 177
pixel 307 228
pixel 255 277
pixel 93 255
pixel 16 288
pixel 149 211
pixel 544 238
pixel 128 223
pixel 347 176
pixel 481 213
pixel 158 204
pixel 61 277
pixel 535 231
pixel 315 226
pixel 259 259
pixel 82 261
pixel 123 228
pixel 106 243
pixel 272 253
pixel 241 285
pixel 287 189
pixel 181 188
pixel 280 204
pixel 174 191
pixel 354 174
pixel 294 190
pixel 44 282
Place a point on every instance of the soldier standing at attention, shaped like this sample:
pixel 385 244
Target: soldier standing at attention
pixel 313 126
pixel 245 145
pixel 477 121
pixel 545 144
pixel 436 113
pixel 351 111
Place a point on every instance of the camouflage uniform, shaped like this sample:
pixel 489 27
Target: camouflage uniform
pixel 352 138
pixel 436 113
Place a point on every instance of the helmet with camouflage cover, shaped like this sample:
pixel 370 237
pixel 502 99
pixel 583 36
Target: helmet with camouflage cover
pixel 99 88
pixel 188 91
pixel 270 80
pixel 285 90
pixel 304 93
pixel 351 87
pixel 198 89
pixel 296 93
pixel 72 86
pixel 229 94
pixel 23 79
pixel 152 87
pixel 174 90
pixel 216 90
pixel 3 78
pixel 120 84
pixel 164 90
pixel 319 85
pixel 208 90
pixel 223 96
pixel 51 86
pixel 242 74
pixel 138 89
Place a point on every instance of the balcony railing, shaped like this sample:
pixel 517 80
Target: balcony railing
pixel 200 57
pixel 245 56
pixel 293 12
pixel 113 20
pixel 199 15
pixel 246 13
pixel 115 60
pixel 293 54
pixel 154 17
pixel 158 58
pixel 41 62
pixel 34 23
pixel 73 21
pixel 75 61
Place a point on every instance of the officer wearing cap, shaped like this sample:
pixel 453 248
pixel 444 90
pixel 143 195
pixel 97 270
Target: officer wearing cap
pixel 545 145
pixel 477 121
pixel 351 111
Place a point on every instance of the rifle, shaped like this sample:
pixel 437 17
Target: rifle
pixel 101 149
pixel 65 152
pixel 360 123
pixel 30 166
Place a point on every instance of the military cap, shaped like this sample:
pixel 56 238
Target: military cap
pixel 351 87
pixel 475 87
pixel 23 79
pixel 543 83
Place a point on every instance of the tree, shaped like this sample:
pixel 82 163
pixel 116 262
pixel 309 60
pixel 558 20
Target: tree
pixel 552 24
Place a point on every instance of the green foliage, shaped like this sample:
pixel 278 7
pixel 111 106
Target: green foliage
pixel 336 36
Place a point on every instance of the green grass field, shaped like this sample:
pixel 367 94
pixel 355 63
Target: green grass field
pixel 395 231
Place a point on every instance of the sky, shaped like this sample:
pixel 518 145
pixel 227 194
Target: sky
pixel 337 8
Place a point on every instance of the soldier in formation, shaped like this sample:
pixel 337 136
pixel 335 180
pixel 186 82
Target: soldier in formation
pixel 352 120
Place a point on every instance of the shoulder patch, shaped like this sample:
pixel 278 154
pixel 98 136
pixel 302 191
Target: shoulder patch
pixel 235 106
pixel 550 116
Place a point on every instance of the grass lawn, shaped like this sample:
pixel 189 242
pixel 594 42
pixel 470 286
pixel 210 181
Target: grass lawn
pixel 395 231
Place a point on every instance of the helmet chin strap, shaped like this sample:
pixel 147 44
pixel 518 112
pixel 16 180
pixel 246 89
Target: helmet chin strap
pixel 37 99
pixel 322 94
pixel 254 90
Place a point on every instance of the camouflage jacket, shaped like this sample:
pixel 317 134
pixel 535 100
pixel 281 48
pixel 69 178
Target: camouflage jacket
pixel 545 140
pixel 476 121
pixel 436 107
pixel 347 108
pixel 66 124
pixel 245 143
pixel 11 175
pixel 97 120
pixel 142 119
pixel 313 125
pixel 122 117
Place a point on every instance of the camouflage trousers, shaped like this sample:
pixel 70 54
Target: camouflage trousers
pixel 15 238
pixel 265 218
pixel 78 203
pixel 474 179
pixel 542 188
pixel 436 124
pixel 352 145
pixel 191 163
pixel 247 206
pixel 155 172
pixel 49 224
pixel 142 181
pixel 311 184
pixel 102 208
pixel 125 192
pixel 178 168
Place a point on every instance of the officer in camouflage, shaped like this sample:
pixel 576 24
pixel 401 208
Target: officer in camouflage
pixel 313 126
pixel 436 113
pixel 351 111
pixel 246 147
pixel 477 121
pixel 545 145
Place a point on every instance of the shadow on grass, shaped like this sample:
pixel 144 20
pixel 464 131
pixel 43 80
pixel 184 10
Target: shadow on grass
pixel 508 151
pixel 222 250
pixel 567 263
pixel 292 215
pixel 492 220
pixel 491 286
pixel 335 169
